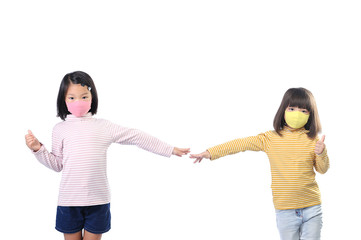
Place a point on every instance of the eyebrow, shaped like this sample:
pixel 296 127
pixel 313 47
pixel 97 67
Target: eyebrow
pixel 75 94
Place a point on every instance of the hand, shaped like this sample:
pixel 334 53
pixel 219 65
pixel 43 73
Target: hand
pixel 180 151
pixel 200 156
pixel 320 145
pixel 32 142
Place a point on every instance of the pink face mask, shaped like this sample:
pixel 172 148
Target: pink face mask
pixel 79 108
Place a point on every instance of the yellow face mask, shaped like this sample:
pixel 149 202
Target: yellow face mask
pixel 296 119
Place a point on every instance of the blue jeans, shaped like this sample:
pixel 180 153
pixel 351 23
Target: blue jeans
pixel 300 224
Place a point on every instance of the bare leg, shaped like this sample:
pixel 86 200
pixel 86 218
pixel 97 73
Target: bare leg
pixel 73 236
pixel 91 236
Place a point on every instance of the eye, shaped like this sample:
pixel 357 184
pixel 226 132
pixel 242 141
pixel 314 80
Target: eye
pixel 291 109
pixel 305 111
pixel 85 97
pixel 71 98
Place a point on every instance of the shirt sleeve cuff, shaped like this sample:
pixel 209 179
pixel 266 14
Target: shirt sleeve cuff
pixel 41 149
pixel 323 154
pixel 211 152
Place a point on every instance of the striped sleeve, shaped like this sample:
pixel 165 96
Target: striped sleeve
pixel 254 143
pixel 322 163
pixel 53 159
pixel 131 136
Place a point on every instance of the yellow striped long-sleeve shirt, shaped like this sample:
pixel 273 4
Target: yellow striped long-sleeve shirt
pixel 292 159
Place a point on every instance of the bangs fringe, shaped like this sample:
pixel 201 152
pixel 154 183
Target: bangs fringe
pixel 300 99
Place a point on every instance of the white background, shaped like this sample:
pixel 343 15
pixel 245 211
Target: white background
pixel 194 74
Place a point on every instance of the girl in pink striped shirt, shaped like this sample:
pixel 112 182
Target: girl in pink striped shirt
pixel 79 150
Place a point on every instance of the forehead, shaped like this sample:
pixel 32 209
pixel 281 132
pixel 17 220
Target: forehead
pixel 77 89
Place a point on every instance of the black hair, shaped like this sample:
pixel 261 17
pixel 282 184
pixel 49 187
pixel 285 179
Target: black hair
pixel 77 77
pixel 301 98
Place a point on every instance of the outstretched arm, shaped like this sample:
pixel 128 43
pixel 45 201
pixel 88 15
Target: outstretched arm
pixel 255 143
pixel 131 136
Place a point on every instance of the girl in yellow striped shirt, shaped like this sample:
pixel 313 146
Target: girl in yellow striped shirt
pixel 294 151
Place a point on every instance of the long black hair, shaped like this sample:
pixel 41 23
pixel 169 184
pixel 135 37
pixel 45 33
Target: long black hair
pixel 77 77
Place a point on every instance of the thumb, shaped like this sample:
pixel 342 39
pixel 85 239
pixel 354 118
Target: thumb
pixel 322 139
pixel 30 133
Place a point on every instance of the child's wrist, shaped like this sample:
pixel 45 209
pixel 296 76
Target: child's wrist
pixel 37 148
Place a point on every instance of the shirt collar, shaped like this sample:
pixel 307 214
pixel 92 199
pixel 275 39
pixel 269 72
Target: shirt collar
pixel 288 129
pixel 72 118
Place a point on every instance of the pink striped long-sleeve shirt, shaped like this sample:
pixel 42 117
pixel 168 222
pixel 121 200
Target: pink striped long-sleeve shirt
pixel 79 150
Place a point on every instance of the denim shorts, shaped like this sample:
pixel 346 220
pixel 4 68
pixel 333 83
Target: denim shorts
pixel 94 219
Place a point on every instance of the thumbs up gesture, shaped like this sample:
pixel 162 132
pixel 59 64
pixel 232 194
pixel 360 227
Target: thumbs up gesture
pixel 32 142
pixel 320 145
